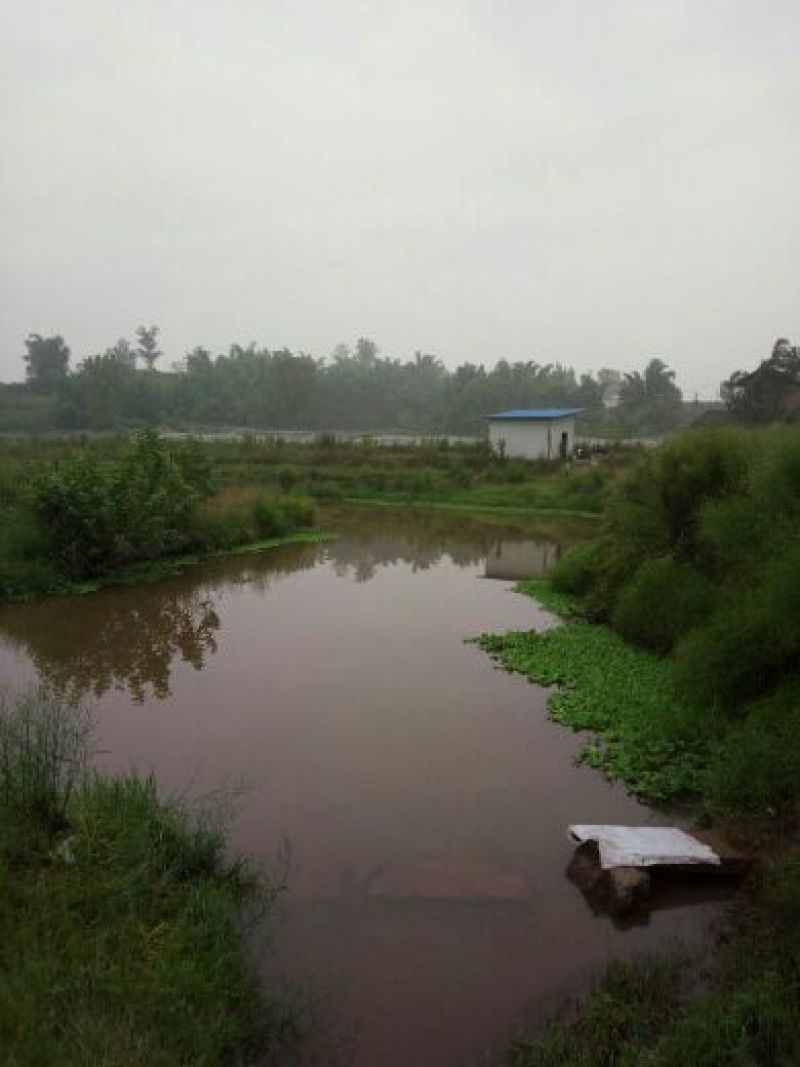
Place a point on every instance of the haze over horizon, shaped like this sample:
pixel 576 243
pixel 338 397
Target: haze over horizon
pixel 566 182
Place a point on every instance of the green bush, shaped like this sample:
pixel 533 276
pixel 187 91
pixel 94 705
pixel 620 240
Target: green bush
pixel 575 571
pixel 695 467
pixel 218 531
pixel 103 515
pixel 299 512
pixel 26 565
pixel 663 601
pixel 750 643
pixel 269 519
pixel 759 766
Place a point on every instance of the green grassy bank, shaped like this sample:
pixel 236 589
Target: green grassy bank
pixel 436 472
pixel 679 654
pixel 122 917
pixel 133 512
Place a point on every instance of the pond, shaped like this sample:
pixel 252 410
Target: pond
pixel 423 794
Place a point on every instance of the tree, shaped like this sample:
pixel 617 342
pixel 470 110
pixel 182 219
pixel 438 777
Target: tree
pixel 148 345
pixel 123 353
pixel 770 393
pixel 366 350
pixel 341 352
pixel 46 361
pixel 198 361
pixel 650 402
pixel 103 386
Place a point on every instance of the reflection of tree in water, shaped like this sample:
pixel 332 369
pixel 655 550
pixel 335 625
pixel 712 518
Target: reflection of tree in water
pixel 125 641
pixel 128 638
pixel 261 570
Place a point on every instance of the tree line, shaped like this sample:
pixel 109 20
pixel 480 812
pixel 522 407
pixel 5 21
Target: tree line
pixel 355 388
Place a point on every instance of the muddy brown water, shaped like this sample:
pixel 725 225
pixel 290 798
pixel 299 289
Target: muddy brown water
pixel 423 793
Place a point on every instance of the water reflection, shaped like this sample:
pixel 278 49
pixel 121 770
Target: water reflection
pixel 117 643
pixel 133 638
pixel 379 538
pixel 514 560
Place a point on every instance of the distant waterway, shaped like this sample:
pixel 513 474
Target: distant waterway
pixel 423 794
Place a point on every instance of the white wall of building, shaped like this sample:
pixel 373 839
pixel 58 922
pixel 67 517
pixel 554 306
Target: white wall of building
pixel 532 438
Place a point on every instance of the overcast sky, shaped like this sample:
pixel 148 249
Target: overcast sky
pixel 593 182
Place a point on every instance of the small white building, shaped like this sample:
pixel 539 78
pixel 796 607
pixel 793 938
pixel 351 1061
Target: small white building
pixel 534 433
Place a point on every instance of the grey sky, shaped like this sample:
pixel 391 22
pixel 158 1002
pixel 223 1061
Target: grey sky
pixel 593 182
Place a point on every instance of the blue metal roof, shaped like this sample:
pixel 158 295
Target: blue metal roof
pixel 537 413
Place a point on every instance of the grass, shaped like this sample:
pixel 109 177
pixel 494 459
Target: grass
pixel 458 476
pixel 472 504
pixel 121 920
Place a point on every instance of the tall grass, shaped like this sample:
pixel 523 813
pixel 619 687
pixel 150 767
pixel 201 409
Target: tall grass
pixel 43 754
pixel 248 514
pixel 121 914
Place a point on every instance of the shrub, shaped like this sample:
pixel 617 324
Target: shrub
pixel 575 572
pixel 691 469
pixel 25 555
pixel 759 766
pixel 614 561
pixel 299 511
pixel 751 642
pixel 103 515
pixel 269 519
pixel 663 601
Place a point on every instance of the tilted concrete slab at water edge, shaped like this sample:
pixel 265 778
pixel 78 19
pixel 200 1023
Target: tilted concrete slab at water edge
pixel 644 846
